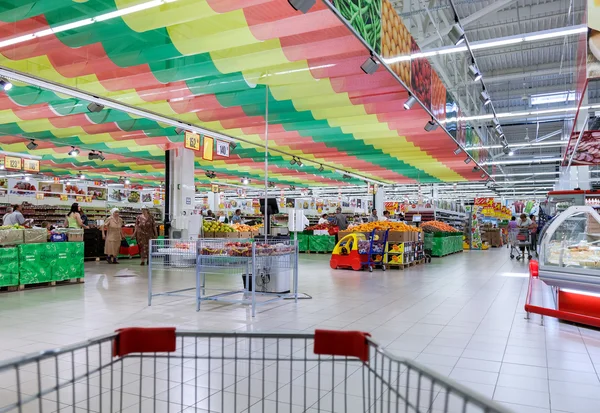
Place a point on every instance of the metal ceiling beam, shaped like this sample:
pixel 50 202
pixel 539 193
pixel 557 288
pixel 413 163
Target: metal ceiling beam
pixel 465 21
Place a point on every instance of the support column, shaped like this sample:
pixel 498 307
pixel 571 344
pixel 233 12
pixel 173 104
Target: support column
pixel 379 199
pixel 184 222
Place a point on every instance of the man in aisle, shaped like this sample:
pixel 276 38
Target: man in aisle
pixel 533 228
pixel 373 217
pixel 341 220
pixel 9 211
pixel 237 217
pixel 16 217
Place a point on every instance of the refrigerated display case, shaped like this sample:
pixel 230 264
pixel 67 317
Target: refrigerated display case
pixel 570 250
pixel 569 268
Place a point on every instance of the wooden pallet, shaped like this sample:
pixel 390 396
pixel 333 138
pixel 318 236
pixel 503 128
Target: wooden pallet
pixel 9 288
pixel 22 287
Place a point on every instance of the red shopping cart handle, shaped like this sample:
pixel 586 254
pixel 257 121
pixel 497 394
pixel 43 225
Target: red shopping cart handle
pixel 342 343
pixel 144 340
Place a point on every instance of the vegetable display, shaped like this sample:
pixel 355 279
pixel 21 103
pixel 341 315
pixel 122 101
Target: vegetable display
pixel 365 17
pixel 437 226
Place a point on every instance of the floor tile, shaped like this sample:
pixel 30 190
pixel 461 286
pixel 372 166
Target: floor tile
pixel 521 396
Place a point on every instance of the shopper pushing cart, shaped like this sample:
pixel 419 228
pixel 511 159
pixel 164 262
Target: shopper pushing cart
pixel 521 238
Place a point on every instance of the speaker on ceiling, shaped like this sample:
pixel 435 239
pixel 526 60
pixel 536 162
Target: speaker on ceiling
pixel 302 5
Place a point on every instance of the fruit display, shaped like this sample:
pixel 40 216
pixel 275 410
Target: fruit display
pixel 437 226
pixel 24 186
pixel 420 71
pixel 319 227
pixel 97 193
pixel 216 226
pixel 16 226
pixel 365 17
pixel 395 40
pixel 383 225
pixel 74 189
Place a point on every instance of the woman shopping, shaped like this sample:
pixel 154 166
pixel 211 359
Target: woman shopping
pixel 145 230
pixel 113 234
pixel 73 219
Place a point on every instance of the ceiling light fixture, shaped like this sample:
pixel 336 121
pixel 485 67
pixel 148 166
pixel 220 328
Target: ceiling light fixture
pixel 101 156
pixel 92 155
pixel 81 176
pixel 475 169
pixel 74 151
pixel 467 160
pixel 245 181
pixel 232 146
pixel 302 5
pixel 127 181
pixel 483 176
pixel 293 161
pixel 511 152
pixel 456 34
pixel 5 84
pixel 410 102
pixel 32 145
pixel 95 107
pixel 485 97
pixel 457 151
pixel 292 188
pixel 431 125
pixel 474 73
pixel 299 162
pixel 321 169
pixel 370 66
pixel 179 131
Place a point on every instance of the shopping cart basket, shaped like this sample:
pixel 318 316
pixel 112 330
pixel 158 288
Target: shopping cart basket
pixel 163 370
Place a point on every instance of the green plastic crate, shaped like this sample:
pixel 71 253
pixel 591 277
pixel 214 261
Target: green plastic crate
pixel 9 267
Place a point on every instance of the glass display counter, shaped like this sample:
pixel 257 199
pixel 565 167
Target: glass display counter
pixel 570 250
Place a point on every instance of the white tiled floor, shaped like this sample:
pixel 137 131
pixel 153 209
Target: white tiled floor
pixel 461 315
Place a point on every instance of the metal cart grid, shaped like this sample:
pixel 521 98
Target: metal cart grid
pixel 161 370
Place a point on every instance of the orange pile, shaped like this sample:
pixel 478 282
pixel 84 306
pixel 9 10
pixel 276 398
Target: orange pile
pixel 383 225
pixel 437 226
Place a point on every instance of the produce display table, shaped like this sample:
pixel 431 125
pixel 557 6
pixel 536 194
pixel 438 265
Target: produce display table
pixel 321 243
pixel 28 264
pixel 445 243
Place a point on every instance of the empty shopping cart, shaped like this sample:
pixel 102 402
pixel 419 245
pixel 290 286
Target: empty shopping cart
pixel 164 370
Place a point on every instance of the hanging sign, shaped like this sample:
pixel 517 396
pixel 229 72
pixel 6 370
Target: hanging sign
pixel 192 141
pixel 214 188
pixel 207 148
pixel 12 163
pixel 63 197
pixel 39 196
pixel 223 148
pixel 31 165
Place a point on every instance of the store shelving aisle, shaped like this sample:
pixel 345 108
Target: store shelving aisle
pixel 461 315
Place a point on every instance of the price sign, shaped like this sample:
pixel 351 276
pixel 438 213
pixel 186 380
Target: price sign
pixel 13 163
pixel 39 196
pixel 214 188
pixel 192 141
pixel 63 197
pixel 88 198
pixel 79 198
pixel 207 148
pixel 223 148
pixel 31 165
pixel 56 180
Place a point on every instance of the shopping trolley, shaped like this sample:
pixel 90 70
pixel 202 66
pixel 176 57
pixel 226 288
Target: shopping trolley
pixel 164 370
pixel 520 240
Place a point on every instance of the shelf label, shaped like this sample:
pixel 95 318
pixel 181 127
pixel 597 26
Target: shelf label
pixel 214 188
pixel 39 196
pixel 192 141
pixel 63 197
pixel 12 163
pixel 79 198
pixel 56 180
pixel 31 165
pixel 88 198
